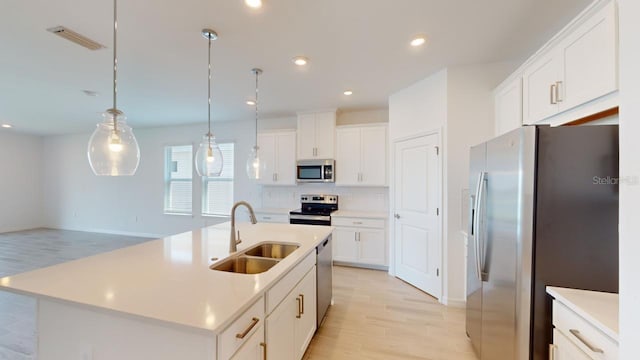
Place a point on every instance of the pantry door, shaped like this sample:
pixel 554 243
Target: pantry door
pixel 417 199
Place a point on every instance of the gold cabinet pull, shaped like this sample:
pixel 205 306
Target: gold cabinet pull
pixel 254 322
pixel 579 336
pixel 553 94
pixel 302 301
pixel 299 312
pixel 264 350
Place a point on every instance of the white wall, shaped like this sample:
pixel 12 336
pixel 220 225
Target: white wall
pixel 362 117
pixel 470 121
pixel 458 101
pixel 76 199
pixel 630 173
pixel 20 181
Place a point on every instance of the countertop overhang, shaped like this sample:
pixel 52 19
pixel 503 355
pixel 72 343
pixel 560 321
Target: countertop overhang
pixel 169 279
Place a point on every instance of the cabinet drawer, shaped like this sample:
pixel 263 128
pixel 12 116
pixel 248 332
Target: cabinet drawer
pixel 272 218
pixel 280 290
pixel 234 336
pixel 583 334
pixel 357 222
pixel 564 349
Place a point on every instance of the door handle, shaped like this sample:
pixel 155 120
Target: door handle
pixel 553 94
pixel 478 232
pixel 559 92
pixel 579 336
pixel 302 301
pixel 253 324
pixel 397 216
pixel 264 350
pixel 299 304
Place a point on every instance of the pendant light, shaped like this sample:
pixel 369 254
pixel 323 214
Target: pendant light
pixel 113 149
pixel 209 157
pixel 256 166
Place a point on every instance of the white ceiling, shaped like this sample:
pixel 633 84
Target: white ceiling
pixel 356 44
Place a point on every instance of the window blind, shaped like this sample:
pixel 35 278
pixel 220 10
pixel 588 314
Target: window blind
pixel 218 191
pixel 178 179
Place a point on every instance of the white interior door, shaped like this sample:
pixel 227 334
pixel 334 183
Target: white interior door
pixel 417 225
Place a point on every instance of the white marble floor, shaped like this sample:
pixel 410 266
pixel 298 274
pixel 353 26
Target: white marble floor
pixel 32 249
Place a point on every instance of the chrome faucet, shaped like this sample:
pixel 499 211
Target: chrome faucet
pixel 234 241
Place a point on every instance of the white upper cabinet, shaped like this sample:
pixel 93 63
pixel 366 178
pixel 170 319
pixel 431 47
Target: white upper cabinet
pixel 590 60
pixel 541 80
pixel 316 135
pixel 361 155
pixel 277 150
pixel 508 106
pixel 576 74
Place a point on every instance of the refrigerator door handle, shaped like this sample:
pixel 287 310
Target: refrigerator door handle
pixel 478 215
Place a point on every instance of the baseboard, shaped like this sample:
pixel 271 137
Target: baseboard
pixel 455 303
pixel 364 266
pixel 111 232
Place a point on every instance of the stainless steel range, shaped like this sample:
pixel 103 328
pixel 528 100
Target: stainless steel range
pixel 314 210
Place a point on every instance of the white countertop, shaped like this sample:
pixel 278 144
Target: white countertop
pixel 360 214
pixel 599 308
pixel 169 279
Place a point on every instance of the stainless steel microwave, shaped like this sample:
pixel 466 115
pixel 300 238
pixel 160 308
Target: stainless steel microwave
pixel 309 171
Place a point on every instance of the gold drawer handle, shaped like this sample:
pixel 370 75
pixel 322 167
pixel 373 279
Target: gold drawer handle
pixel 578 336
pixel 264 350
pixel 254 322
pixel 299 304
pixel 302 300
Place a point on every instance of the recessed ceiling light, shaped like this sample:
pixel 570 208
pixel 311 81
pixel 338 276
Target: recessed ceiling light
pixel 256 4
pixel 7 126
pixel 348 92
pixel 418 40
pixel 300 60
pixel 251 102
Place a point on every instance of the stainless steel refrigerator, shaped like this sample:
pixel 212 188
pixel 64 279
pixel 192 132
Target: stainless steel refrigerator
pixel 544 211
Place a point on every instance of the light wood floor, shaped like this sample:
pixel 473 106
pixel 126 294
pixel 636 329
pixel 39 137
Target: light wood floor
pixel 33 249
pixel 376 316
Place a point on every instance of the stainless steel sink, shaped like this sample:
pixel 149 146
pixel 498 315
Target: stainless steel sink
pixel 245 265
pixel 272 250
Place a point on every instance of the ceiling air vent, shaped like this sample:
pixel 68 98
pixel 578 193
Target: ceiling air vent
pixel 73 36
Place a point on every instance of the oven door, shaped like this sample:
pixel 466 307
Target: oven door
pixel 309 219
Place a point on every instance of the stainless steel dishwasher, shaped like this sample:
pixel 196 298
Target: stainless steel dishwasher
pixel 324 279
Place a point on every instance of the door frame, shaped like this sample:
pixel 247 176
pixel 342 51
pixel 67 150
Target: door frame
pixel 392 207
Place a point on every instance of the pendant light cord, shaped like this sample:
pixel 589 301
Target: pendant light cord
pixel 257 102
pixel 115 65
pixel 209 95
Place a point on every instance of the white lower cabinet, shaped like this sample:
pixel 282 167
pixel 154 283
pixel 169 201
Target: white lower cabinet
pixel 254 348
pixel 290 327
pixel 577 338
pixel 563 349
pixel 360 241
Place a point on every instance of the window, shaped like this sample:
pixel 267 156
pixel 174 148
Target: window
pixel 178 171
pixel 217 192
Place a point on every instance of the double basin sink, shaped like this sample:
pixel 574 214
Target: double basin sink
pixel 256 259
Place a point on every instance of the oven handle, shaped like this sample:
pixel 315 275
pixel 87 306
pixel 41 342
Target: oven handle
pixel 310 217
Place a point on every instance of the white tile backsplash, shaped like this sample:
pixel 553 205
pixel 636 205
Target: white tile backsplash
pixel 374 199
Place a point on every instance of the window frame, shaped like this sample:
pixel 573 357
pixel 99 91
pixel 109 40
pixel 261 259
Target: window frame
pixel 168 180
pixel 205 180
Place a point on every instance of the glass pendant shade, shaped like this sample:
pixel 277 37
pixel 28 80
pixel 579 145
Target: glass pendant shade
pixel 256 166
pixel 113 149
pixel 209 157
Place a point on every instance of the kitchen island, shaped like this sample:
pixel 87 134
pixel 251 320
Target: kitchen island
pixel 161 300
